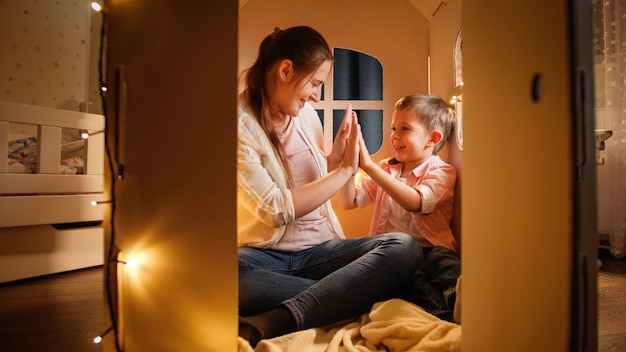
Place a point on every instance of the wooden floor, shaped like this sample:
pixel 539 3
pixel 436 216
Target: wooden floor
pixel 64 312
pixel 611 303
pixel 58 313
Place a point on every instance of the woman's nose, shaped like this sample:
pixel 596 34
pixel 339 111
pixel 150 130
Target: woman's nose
pixel 317 93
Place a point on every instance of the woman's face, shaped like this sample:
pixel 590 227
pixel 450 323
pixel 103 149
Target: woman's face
pixel 293 91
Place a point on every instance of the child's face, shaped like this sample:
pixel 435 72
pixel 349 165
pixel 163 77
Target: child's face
pixel 410 141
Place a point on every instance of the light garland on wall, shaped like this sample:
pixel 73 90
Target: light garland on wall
pixel 131 263
pixel 456 93
pixel 96 6
pixel 98 339
pixel 86 134
pixel 112 252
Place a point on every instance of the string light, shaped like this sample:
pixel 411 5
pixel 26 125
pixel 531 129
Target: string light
pixel 456 93
pixel 131 263
pixel 96 202
pixel 96 6
pixel 98 338
pixel 111 295
pixel 86 134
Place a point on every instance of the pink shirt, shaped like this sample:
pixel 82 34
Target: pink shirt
pixel 313 228
pixel 435 181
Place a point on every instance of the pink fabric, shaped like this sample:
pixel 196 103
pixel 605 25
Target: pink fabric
pixel 312 228
pixel 435 180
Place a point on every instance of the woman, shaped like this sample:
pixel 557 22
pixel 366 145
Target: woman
pixel 296 269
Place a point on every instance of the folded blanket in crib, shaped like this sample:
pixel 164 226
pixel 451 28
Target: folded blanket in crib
pixel 392 325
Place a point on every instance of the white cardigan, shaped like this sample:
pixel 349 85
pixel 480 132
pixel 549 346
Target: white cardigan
pixel 264 203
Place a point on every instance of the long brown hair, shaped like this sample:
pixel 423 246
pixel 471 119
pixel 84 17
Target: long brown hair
pixel 307 50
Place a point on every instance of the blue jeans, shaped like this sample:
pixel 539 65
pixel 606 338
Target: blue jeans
pixel 334 280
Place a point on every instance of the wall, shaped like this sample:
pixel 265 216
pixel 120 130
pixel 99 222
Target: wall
pixel 518 177
pixel 394 32
pixel 46 52
pixel 445 26
pixel 175 206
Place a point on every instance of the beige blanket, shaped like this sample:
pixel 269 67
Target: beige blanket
pixel 393 325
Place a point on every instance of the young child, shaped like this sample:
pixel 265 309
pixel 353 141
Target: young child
pixel 413 192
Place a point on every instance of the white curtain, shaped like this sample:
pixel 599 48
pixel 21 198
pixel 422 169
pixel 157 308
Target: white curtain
pixel 609 25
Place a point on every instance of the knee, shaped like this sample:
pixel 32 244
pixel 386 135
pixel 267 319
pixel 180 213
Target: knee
pixel 405 241
pixel 244 266
pixel 407 246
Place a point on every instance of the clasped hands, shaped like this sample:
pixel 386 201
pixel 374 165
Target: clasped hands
pixel 349 142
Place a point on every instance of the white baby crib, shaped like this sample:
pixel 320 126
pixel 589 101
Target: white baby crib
pixel 51 189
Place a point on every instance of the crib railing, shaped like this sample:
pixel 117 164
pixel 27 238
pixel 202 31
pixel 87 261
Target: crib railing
pixel 47 196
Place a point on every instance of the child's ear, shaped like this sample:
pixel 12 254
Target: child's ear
pixel 435 137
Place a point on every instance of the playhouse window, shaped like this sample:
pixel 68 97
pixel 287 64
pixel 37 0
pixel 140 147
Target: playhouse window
pixel 358 79
pixel 457 98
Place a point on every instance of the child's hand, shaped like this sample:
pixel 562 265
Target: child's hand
pixel 365 161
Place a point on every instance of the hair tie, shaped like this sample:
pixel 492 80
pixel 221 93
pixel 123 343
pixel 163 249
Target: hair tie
pixel 276 32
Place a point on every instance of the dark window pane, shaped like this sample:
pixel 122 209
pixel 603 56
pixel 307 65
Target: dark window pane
pixel 357 76
pixel 371 122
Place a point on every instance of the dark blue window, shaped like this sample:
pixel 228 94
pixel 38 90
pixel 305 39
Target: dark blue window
pixel 357 77
pixel 371 122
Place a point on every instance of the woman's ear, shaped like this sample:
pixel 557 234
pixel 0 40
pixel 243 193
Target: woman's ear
pixel 285 69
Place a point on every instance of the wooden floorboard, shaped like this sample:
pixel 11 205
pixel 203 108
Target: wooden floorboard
pixel 611 303
pixel 64 312
pixel 61 312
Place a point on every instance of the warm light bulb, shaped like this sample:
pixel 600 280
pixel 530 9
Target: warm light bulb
pixel 93 203
pixel 84 134
pixel 96 6
pixel 98 338
pixel 133 263
pixel 130 263
pixel 104 89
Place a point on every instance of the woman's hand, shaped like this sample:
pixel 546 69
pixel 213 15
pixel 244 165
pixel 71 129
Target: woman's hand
pixel 313 194
pixel 341 139
pixel 351 155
